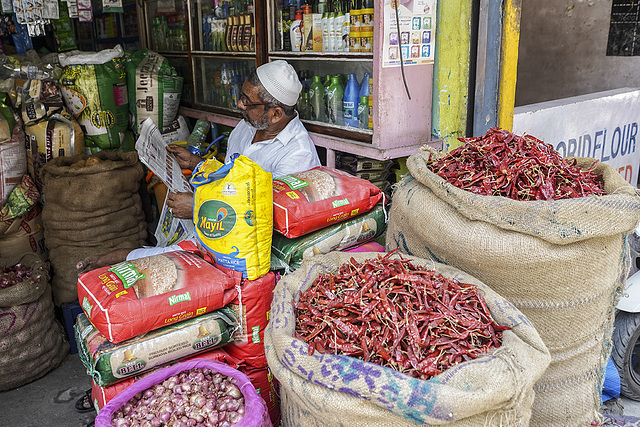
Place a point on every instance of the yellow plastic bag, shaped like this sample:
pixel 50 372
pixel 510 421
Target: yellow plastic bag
pixel 233 214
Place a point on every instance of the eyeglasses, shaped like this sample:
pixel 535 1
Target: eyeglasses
pixel 247 103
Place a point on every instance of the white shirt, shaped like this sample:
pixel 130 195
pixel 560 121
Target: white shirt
pixel 291 151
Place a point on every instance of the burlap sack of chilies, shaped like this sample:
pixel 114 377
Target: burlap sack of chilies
pixel 332 390
pixel 32 342
pixel 90 210
pixel 559 262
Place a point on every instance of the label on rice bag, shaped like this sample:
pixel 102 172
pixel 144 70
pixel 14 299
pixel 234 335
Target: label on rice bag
pixel 318 198
pixel 108 362
pixel 138 296
pixel 101 395
pixel 288 253
pixel 154 88
pixel 233 214
pixel 94 87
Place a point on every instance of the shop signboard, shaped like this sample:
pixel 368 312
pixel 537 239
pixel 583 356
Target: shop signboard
pixel 601 125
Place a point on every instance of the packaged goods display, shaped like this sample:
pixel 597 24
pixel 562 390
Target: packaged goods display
pixel 175 286
pixel 108 362
pixel 311 200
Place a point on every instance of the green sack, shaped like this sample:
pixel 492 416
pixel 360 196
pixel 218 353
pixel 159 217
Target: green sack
pixel 108 363
pixel 94 86
pixel 288 253
pixel 154 88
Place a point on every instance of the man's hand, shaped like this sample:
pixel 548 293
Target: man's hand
pixel 181 205
pixel 186 159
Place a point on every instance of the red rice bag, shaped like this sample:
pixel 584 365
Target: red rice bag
pixel 255 297
pixel 138 296
pixel 102 395
pixel 317 198
pixel 267 387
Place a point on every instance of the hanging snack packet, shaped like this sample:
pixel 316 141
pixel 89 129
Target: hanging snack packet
pixel 233 214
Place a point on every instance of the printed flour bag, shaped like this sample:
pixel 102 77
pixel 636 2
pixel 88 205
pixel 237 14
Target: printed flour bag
pixel 233 214
pixel 154 88
pixel 94 87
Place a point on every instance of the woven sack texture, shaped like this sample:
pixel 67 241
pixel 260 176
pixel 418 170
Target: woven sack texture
pixel 32 342
pixel 333 390
pixel 90 210
pixel 561 263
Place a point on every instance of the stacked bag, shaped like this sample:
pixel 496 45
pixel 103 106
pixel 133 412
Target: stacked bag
pixel 163 309
pixel 322 210
pixel 378 172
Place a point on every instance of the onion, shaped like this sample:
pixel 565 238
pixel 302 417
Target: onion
pixel 197 397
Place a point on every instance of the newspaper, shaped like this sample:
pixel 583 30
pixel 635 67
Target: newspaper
pixel 152 150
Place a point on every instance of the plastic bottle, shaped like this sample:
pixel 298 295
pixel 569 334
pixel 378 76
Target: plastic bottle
pixel 296 32
pixel 331 31
pixel 334 101
pixel 363 112
pixel 364 86
pixel 316 100
pixel 325 84
pixel 338 24
pixel 325 30
pixel 350 102
pixel 304 107
pixel 197 141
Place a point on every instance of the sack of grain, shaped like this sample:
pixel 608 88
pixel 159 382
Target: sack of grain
pixel 233 214
pixel 144 294
pixel 90 210
pixel 559 262
pixel 32 341
pixel 101 395
pixel 154 88
pixel 13 161
pixel 325 389
pixel 94 87
pixel 108 362
pixel 308 201
pixel 288 253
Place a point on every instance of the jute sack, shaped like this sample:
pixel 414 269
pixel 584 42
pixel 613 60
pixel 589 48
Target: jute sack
pixel 332 390
pixel 90 210
pixel 32 342
pixel 559 262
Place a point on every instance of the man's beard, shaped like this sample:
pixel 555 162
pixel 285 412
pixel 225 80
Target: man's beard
pixel 260 124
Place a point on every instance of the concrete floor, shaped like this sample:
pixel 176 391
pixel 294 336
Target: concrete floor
pixel 49 401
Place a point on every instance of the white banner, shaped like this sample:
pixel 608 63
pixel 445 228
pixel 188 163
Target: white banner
pixel 602 125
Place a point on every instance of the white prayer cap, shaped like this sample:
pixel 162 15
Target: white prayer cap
pixel 279 78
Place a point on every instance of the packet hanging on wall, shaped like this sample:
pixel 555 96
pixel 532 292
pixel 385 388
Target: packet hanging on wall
pixel 233 214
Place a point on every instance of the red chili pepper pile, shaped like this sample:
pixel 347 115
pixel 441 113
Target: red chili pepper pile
pixel 390 312
pixel 501 163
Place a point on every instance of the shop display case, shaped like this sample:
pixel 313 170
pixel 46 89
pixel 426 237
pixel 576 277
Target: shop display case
pixel 109 29
pixel 222 41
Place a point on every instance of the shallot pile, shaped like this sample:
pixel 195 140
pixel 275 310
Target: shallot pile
pixel 10 276
pixel 395 314
pixel 198 396
pixel 501 163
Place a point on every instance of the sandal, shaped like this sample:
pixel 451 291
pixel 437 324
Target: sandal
pixel 84 404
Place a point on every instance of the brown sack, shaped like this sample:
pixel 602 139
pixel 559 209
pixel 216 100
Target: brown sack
pixel 90 210
pixel 32 342
pixel 559 262
pixel 496 389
